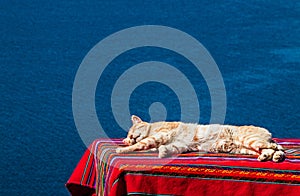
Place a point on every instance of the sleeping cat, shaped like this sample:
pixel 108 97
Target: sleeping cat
pixel 177 137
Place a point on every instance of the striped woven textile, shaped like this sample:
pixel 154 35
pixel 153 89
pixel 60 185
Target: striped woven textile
pixel 198 173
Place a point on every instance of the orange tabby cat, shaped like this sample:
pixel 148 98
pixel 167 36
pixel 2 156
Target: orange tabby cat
pixel 176 137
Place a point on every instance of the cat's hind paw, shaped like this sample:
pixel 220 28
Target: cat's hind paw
pixel 279 147
pixel 275 146
pixel 278 156
pixel 266 155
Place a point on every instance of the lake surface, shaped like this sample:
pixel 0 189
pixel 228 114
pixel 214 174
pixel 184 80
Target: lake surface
pixel 255 45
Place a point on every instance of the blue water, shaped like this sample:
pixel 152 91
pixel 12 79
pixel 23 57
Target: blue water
pixel 256 46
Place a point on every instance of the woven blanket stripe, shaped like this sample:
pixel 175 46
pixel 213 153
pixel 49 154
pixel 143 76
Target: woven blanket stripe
pixel 170 185
pixel 130 173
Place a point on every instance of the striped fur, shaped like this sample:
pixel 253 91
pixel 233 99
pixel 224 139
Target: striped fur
pixel 177 137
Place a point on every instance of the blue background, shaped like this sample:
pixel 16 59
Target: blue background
pixel 256 46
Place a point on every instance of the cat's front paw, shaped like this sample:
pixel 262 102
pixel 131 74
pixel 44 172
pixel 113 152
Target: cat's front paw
pixel 162 151
pixel 278 156
pixel 120 150
pixel 151 150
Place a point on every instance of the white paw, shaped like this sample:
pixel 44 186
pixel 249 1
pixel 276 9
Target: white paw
pixel 119 150
pixel 152 150
pixel 266 155
pixel 278 156
pixel 163 152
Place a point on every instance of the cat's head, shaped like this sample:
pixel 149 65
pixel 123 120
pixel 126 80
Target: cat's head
pixel 138 131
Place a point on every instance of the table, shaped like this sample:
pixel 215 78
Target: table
pixel 101 171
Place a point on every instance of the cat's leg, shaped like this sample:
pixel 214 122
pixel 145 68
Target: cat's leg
pixel 279 147
pixel 163 151
pixel 151 150
pixel 279 154
pixel 176 147
pixel 146 144
pixel 266 149
pixel 226 146
pixel 243 150
pixel 269 150
pixel 266 154
pixel 258 145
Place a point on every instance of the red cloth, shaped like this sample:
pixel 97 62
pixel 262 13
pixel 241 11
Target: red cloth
pixel 82 182
pixel 188 174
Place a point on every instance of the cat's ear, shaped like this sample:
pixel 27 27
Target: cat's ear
pixel 135 119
